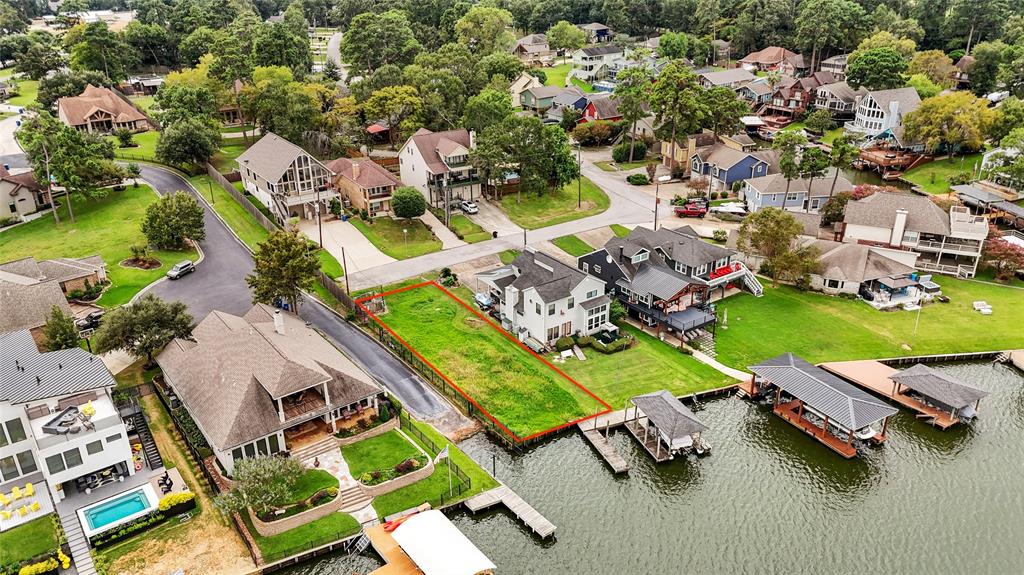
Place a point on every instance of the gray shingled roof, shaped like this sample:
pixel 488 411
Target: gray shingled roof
pixel 879 211
pixel 856 262
pixel 908 99
pixel 820 187
pixel 63 372
pixel 843 91
pixel 668 414
pixel 844 404
pixel 552 279
pixel 271 156
pixel 659 282
pixel 682 245
pixel 724 77
pixel 601 50
pixel 939 386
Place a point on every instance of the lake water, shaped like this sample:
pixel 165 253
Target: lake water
pixel 769 500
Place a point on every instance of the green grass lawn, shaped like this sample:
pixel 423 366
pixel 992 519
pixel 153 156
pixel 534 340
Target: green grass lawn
pixel 225 159
pixel 515 387
pixel 648 366
pixel 28 540
pixel 572 245
pixel 382 452
pixel 28 91
pixel 555 207
pixel 823 328
pixel 135 374
pixel 108 227
pixel 932 177
pixel 329 264
pixel 556 74
pixel 310 482
pixel 432 487
pixel 239 220
pixel 582 85
pixel 507 256
pixel 387 235
pixel 827 138
pixel 470 232
pixel 144 149
pixel 620 231
pixel 144 103
pixel 329 528
pixel 237 129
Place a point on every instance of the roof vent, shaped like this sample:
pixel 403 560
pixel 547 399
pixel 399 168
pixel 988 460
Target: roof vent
pixel 278 322
pixel 38 380
pixel 60 366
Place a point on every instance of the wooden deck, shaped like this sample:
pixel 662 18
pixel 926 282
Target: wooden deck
pixel 396 562
pixel 521 509
pixel 873 376
pixel 789 412
pixel 611 457
pixel 660 455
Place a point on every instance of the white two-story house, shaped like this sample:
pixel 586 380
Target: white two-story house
pixel 947 243
pixel 58 422
pixel 437 164
pixel 881 110
pixel 540 299
pixel 285 178
pixel 596 62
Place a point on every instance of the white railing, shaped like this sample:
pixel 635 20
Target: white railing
pixel 44 441
pixel 951 247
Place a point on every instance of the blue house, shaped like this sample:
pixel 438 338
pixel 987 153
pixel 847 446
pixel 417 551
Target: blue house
pixel 726 164
pixel 803 195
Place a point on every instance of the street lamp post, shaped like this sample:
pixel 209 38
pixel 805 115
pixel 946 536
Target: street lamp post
pixel 657 200
pixel 405 234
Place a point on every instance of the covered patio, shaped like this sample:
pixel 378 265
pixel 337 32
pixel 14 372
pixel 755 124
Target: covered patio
pixel 892 291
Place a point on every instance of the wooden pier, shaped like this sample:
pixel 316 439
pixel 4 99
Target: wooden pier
pixel 521 509
pixel 873 376
pixel 651 443
pixel 791 412
pixel 611 457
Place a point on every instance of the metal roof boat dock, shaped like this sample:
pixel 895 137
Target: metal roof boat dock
pixel 937 397
pixel 821 404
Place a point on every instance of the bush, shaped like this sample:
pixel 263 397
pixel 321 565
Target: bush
pixel 803 283
pixel 176 499
pixel 408 202
pixel 564 343
pixel 124 138
pixel 334 206
pixel 713 195
pixel 620 153
pixel 8 221
pixel 720 235
pixel 638 179
pixel 959 179
pixel 39 568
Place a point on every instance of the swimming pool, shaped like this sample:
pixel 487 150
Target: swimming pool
pixel 109 513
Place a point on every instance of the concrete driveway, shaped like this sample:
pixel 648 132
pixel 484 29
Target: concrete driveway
pixel 492 218
pixel 360 253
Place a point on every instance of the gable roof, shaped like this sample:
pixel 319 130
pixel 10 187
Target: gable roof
pixel 544 92
pixel 879 211
pixel 669 414
pixel 594 26
pixel 271 156
pixel 532 40
pixel 730 76
pixel 231 374
pixel 843 403
pixel 26 374
pixel 427 143
pixel 605 106
pixel 820 187
pixel 681 245
pixel 371 174
pixel 22 180
pixel 938 385
pixel 843 91
pixel 77 109
pixel 601 50
pixel 552 279
pixel 856 262
pixel 769 55
pixel 907 99
pixel 568 96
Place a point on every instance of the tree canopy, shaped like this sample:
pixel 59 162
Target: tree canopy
pixel 284 267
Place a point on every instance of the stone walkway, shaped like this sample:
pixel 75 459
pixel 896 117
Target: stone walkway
pixel 731 372
pixel 335 464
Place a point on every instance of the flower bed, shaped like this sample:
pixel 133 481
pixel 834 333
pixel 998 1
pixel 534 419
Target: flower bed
pixel 404 468
pixel 319 498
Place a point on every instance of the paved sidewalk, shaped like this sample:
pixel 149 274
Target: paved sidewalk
pixel 448 238
pixel 707 359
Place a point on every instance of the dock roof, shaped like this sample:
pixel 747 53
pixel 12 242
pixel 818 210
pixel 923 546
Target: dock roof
pixel 668 414
pixel 844 404
pixel 437 547
pixel 939 386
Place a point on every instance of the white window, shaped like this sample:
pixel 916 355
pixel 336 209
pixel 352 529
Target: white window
pixel 910 237
pixel 536 308
pixel 551 309
pixel 597 269
pixel 591 294
pixel 792 196
pixel 586 268
pixel 700 270
pixel 681 268
pixel 640 256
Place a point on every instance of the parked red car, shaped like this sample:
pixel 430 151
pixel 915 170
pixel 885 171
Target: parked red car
pixel 690 211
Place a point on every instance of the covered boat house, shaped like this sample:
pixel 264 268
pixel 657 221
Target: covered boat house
pixel 939 390
pixel 665 427
pixel 821 404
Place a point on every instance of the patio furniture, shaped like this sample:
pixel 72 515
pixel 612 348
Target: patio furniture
pixel 4 500
pixel 16 493
pixel 5 514
pixel 22 511
pixel 30 490
pixel 34 506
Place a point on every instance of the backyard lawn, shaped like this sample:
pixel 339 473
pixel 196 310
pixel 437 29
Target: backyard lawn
pixel 572 245
pixel 555 75
pixel 144 103
pixel 144 149
pixel 431 488
pixel 329 528
pixel 582 85
pixel 382 452
pixel 311 481
pixel 503 378
pixel 555 207
pixel 648 366
pixel 468 230
pixel 387 235
pixel 824 328
pixel 827 138
pixel 932 177
pixel 108 227
pixel 28 90
pixel 28 540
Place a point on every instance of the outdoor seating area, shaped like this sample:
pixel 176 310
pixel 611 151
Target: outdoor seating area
pixel 23 503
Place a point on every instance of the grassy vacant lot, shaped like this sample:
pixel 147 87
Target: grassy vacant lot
pixel 823 328
pixel 382 452
pixel 144 103
pixel 555 75
pixel 932 177
pixel 432 487
pixel 387 235
pixel 108 227
pixel 28 540
pixel 648 366
pixel 328 528
pixel 555 207
pixel 28 90
pixel 135 374
pixel 572 245
pixel 470 232
pixel 311 481
pixel 503 378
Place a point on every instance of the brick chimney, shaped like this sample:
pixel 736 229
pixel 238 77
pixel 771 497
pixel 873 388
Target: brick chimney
pixel 278 322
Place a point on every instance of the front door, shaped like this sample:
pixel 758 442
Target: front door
pixel 567 329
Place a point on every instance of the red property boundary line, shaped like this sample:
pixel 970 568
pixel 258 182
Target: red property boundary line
pixel 516 438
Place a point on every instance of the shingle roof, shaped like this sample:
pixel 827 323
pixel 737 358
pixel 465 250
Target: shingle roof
pixel 731 76
pixel 939 386
pixel 879 210
pixel 682 245
pixel 594 26
pixel 906 97
pixel 229 377
pixel 844 404
pixel 568 96
pixel 820 187
pixel 24 179
pixel 843 91
pixel 601 50
pixel 660 282
pixel 62 372
pixel 29 289
pixel 668 414
pixel 605 106
pixel 371 174
pixel 77 109
pixel 552 279
pixel 544 92
pixel 271 156
pixel 856 262
pixel 769 55
pixel 427 142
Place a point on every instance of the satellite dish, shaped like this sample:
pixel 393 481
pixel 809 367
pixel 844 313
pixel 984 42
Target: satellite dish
pixel 608 258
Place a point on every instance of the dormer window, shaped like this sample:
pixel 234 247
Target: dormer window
pixel 640 256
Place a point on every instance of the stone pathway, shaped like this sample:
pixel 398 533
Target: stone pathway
pixel 335 464
pixel 731 372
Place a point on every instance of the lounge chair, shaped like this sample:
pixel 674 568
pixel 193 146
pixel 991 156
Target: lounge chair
pixel 5 514
pixel 4 500
pixel 22 511
pixel 34 506
pixel 30 490
pixel 16 493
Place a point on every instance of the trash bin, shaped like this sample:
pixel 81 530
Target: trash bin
pixel 494 234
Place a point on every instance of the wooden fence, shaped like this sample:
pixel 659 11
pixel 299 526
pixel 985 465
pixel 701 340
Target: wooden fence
pixel 239 197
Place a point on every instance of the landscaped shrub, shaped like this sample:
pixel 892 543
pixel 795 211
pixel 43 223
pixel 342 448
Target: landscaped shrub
pixel 713 195
pixel 403 468
pixel 65 561
pixel 638 179
pixel 620 153
pixel 140 524
pixel 564 343
pixel 959 179
pixel 720 235
pixel 613 347
pixel 803 283
pixel 8 221
pixel 48 566
pixel 191 431
pixel 179 502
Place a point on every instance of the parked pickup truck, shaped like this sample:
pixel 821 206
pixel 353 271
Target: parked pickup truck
pixel 690 211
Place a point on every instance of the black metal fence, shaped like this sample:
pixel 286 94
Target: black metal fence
pixel 461 483
pixel 193 450
pixel 345 541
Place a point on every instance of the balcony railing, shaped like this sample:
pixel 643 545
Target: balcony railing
pixel 46 440
pixel 950 247
pixel 296 199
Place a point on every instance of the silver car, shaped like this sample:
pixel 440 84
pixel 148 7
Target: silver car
pixel 180 269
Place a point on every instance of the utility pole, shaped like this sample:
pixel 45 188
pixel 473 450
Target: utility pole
pixel 344 268
pixel 579 179
pixel 213 199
